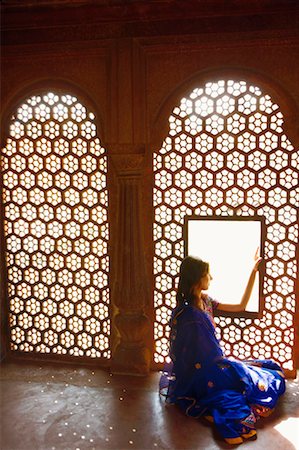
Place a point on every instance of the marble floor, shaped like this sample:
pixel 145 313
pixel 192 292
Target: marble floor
pixel 55 407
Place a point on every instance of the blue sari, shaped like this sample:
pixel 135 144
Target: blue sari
pixel 204 383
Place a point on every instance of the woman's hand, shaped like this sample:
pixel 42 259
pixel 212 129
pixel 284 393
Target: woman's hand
pixel 257 260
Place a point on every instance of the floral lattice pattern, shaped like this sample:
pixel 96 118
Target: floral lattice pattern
pixel 55 204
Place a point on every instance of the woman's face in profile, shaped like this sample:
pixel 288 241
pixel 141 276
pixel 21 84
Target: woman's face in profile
pixel 205 281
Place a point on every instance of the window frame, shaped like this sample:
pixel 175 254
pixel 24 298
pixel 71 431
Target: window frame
pixel 235 218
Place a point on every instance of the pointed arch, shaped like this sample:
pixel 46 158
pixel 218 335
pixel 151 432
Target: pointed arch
pixel 273 88
pixel 41 87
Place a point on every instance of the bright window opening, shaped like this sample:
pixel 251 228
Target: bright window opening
pixel 229 246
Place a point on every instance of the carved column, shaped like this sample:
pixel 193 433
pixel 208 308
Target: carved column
pixel 129 290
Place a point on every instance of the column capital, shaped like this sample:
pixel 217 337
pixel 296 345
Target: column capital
pixel 131 164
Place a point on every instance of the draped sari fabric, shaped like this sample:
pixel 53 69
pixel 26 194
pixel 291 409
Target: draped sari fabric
pixel 204 383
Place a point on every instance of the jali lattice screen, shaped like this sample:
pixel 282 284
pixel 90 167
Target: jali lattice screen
pixel 226 153
pixel 55 205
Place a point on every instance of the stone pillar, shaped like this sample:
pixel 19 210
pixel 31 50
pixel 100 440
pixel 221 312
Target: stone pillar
pixel 130 288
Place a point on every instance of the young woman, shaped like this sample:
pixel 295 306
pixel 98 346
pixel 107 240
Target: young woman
pixel 200 379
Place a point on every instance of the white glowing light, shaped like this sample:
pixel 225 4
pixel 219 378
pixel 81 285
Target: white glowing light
pixel 229 246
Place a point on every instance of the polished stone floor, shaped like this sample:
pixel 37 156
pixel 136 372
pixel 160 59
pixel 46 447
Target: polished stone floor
pixel 55 407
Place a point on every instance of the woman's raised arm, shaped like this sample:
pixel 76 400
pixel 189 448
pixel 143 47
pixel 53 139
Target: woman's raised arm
pixel 248 289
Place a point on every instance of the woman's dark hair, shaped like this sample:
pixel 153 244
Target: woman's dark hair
pixel 191 271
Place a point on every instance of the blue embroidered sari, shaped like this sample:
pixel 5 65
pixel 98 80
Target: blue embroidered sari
pixel 204 383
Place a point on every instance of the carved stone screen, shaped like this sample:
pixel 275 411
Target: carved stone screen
pixel 56 228
pixel 227 153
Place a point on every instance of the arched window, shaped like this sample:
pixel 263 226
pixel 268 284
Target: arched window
pixel 226 153
pixel 56 229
